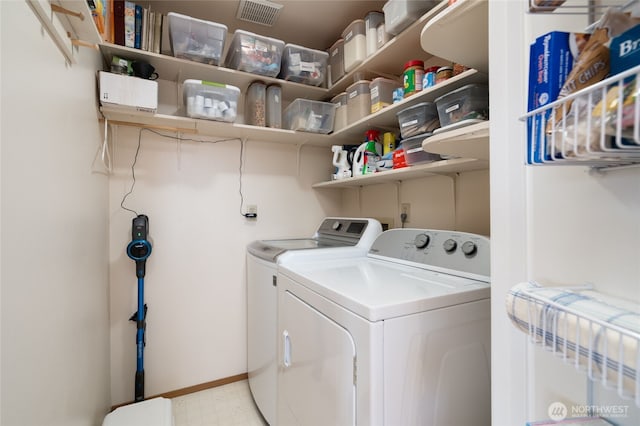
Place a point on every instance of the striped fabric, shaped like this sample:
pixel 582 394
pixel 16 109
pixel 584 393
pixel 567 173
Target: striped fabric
pixel 590 330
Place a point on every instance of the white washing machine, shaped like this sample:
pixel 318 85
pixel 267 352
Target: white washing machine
pixel 335 238
pixel 398 337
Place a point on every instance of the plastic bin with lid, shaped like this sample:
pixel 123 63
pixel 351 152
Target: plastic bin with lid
pixel 304 65
pixel 399 14
pixel 381 90
pixel 211 101
pixel 467 105
pixel 375 35
pixel 355 44
pixel 417 119
pixel 274 106
pixel 336 61
pixel 413 152
pixel 340 120
pixel 358 101
pixel 309 116
pixel 255 53
pixel 196 39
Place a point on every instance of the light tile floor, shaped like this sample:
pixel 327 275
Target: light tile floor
pixel 228 405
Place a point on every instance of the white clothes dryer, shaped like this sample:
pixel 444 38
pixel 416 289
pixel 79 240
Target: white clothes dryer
pixel 335 238
pixel 398 337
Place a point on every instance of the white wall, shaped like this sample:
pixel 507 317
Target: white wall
pixel 55 327
pixel 195 283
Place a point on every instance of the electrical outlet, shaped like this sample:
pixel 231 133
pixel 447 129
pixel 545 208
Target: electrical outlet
pixel 252 209
pixel 405 209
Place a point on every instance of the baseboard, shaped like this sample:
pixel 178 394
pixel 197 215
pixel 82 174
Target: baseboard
pixel 192 389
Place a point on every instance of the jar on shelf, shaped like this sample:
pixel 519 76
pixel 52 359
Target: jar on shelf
pixel 255 105
pixel 444 73
pixel 412 77
pixel 274 106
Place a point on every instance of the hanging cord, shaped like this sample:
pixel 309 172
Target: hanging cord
pixel 247 215
pixel 180 139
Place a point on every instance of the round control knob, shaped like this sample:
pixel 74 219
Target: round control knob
pixel 421 241
pixel 450 245
pixel 336 225
pixel 469 248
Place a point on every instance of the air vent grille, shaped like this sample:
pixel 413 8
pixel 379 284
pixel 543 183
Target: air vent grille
pixel 261 12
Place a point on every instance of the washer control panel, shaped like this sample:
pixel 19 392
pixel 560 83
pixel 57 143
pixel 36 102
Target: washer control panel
pixel 449 251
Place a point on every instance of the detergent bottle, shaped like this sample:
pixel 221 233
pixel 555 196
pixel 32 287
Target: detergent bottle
pixel 372 151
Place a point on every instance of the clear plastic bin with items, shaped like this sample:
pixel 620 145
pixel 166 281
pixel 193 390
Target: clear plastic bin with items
pixel 413 152
pixel 464 106
pixel 195 39
pixel 309 116
pixel 210 101
pixel 304 65
pixel 255 54
pixel 419 118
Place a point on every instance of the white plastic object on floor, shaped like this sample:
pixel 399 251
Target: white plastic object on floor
pixel 151 412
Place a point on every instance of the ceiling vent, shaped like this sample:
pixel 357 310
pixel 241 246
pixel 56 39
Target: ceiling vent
pixel 261 12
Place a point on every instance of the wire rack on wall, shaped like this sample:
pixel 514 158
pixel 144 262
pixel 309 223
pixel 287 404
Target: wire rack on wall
pixel 593 332
pixel 597 126
pixel 594 8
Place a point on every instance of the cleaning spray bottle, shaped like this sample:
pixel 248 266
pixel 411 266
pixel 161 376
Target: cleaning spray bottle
pixel 372 151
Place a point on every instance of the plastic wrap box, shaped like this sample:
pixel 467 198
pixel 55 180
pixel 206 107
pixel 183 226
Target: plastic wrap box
pixel 413 152
pixel 417 119
pixel 195 39
pixel 211 101
pixel 309 116
pixel 303 65
pixel 132 93
pixel 399 14
pixel 551 59
pixel 255 54
pixel 466 105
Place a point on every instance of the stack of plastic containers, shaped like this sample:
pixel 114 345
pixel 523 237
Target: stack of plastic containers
pixel 255 54
pixel 195 39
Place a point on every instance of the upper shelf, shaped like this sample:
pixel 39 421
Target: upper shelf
pixel 82 25
pixel 470 141
pixel 460 33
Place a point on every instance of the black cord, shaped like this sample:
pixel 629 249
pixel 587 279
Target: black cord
pixel 133 175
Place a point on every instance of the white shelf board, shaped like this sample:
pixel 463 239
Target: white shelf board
pixel 178 70
pixel 411 172
pixel 460 33
pixel 85 30
pixel 390 58
pixel 210 128
pixel 469 142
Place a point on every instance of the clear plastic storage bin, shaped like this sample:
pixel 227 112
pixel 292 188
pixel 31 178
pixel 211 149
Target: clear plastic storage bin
pixel 382 92
pixel 211 101
pixel 195 39
pixel 336 62
pixel 309 116
pixel 340 120
pixel 255 54
pixel 355 44
pixel 466 105
pixel 413 152
pixel 303 65
pixel 399 14
pixel 255 108
pixel 358 101
pixel 420 118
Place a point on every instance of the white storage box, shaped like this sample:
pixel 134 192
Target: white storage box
pixel 255 54
pixel 303 65
pixel 132 93
pixel 399 14
pixel 195 39
pixel 309 116
pixel 211 101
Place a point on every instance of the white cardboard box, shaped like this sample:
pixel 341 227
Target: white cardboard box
pixel 128 92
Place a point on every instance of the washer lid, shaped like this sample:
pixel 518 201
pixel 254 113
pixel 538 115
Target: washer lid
pixel 378 289
pixel 271 249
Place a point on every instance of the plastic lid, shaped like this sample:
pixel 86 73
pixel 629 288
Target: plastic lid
pixel 356 26
pixel 414 63
pixel 445 68
pixel 378 80
pixel 340 98
pixel 339 42
pixel 362 86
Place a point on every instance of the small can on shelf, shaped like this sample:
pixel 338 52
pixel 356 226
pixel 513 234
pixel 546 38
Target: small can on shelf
pixel 210 101
pixel 309 116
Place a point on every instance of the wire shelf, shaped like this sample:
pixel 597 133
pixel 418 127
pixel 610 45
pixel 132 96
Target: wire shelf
pixel 585 329
pixel 597 126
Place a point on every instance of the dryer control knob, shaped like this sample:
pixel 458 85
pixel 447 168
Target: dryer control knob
pixel 421 241
pixel 450 245
pixel 469 248
pixel 336 225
